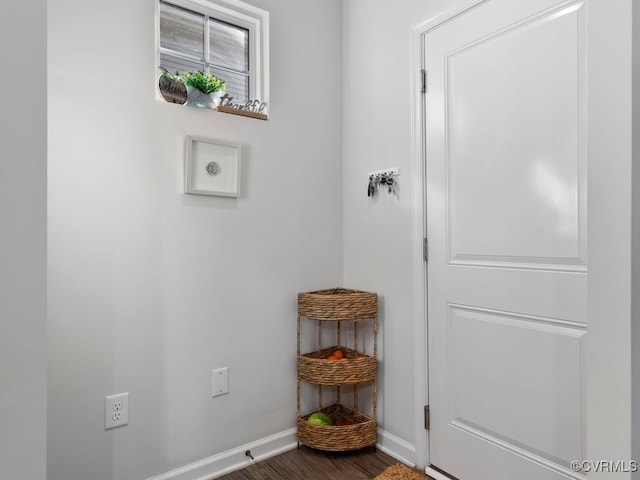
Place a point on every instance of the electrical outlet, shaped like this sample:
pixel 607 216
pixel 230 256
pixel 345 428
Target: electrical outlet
pixel 220 380
pixel 116 410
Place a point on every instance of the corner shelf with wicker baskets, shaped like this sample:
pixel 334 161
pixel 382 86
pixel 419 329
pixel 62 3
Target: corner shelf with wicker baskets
pixel 357 429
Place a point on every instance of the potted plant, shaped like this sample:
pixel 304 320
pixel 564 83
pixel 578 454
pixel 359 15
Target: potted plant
pixel 204 89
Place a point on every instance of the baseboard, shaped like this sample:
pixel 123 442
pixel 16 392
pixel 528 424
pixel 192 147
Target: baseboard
pixel 234 459
pixel 397 448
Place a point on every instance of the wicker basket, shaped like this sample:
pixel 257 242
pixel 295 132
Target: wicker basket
pixel 354 368
pixel 338 438
pixel 338 304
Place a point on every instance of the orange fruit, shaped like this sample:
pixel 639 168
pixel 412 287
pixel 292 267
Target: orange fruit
pixel 339 354
pixel 332 357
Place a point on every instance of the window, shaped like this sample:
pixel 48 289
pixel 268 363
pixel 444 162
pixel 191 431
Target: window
pixel 227 38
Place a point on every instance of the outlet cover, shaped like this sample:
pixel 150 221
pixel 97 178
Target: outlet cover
pixel 116 410
pixel 220 380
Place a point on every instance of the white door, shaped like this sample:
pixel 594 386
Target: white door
pixel 506 222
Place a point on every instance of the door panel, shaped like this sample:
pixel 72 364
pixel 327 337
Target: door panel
pixel 531 176
pixel 506 220
pixel 491 352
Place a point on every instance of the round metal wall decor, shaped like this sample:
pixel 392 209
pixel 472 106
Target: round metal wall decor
pixel 213 168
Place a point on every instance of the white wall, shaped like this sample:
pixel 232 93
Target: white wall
pixel 635 272
pixel 378 232
pixel 23 141
pixel 149 289
pixel 609 388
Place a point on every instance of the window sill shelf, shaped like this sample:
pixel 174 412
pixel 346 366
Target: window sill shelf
pixel 244 113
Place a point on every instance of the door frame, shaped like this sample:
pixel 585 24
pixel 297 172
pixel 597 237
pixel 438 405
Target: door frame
pixel 419 224
pixel 612 238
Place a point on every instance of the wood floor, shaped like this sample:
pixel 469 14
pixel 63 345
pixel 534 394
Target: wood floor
pixel 309 464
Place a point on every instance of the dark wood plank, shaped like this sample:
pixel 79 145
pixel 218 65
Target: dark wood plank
pixel 308 464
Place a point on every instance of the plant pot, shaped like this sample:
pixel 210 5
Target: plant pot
pixel 196 98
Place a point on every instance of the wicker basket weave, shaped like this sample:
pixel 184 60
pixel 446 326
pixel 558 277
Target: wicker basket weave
pixel 362 433
pixel 338 304
pixel 354 368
